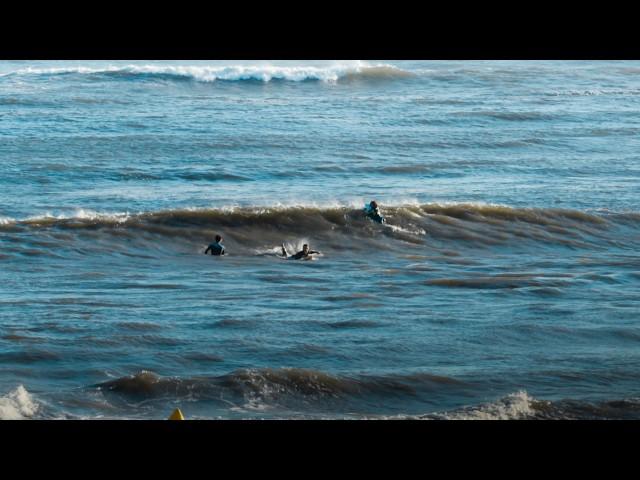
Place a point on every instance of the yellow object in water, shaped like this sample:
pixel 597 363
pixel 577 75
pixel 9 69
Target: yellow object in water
pixel 176 415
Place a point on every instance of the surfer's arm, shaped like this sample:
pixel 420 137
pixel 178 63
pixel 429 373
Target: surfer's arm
pixel 313 251
pixel 207 250
pixel 284 252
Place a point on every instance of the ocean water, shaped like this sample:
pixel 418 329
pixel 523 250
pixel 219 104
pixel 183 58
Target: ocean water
pixel 503 285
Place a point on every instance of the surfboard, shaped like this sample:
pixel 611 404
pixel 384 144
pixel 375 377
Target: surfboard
pixel 176 415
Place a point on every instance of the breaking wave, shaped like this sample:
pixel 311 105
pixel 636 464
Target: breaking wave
pixel 257 228
pixel 260 73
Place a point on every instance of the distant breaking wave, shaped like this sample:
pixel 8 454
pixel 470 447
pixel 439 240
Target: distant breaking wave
pixel 260 73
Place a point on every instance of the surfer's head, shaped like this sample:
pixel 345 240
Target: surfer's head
pixel 373 204
pixel 305 248
pixel 218 238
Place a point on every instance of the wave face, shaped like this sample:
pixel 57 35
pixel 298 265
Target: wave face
pixel 429 225
pixel 234 73
pixel 269 393
pixel 272 385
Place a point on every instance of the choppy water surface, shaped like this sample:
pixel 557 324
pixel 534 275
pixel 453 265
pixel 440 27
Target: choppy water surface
pixel 504 284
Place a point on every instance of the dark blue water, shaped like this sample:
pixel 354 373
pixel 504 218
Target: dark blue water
pixel 503 285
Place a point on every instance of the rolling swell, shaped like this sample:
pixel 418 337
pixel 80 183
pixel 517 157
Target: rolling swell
pixel 257 230
pixel 275 386
pixel 254 388
pixel 428 224
pixel 291 387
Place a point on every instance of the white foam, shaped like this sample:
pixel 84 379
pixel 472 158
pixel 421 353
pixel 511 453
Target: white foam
pixel 395 228
pixel 356 203
pixel 117 217
pixel 81 214
pixel 595 92
pixel 514 406
pixel 252 405
pixel 474 203
pixel 18 405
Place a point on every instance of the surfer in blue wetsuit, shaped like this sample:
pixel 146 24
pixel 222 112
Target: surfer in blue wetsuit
pixel 304 253
pixel 373 212
pixel 216 248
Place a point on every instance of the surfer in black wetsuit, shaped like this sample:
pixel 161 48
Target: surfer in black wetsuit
pixel 216 248
pixel 304 253
pixel 373 212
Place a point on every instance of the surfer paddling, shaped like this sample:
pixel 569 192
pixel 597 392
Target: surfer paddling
pixel 216 247
pixel 304 253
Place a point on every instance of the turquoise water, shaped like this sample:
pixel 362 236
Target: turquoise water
pixel 504 284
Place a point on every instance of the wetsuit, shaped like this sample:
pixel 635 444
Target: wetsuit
pixel 216 249
pixel 298 255
pixel 373 214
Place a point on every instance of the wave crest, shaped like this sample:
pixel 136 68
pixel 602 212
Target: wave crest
pixel 208 74
pixel 471 223
pixel 257 230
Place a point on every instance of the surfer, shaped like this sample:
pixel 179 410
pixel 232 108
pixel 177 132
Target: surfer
pixel 216 248
pixel 304 253
pixel 373 212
